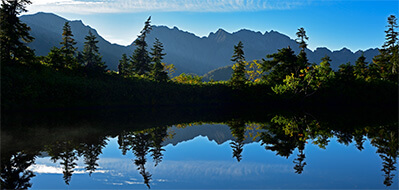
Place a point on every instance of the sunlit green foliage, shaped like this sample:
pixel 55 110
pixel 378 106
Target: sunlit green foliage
pixel 253 71
pixel 308 82
pixel 169 68
pixel 188 79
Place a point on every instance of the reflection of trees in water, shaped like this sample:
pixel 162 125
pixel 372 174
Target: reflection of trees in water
pixel 157 138
pixel 66 152
pixel 276 140
pixel 299 161
pixel 359 138
pixel 140 148
pixel 237 128
pixel 283 134
pixel 90 150
pixel 141 143
pixel 14 173
pixel 386 141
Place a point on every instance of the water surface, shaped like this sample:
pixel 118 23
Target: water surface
pixel 278 150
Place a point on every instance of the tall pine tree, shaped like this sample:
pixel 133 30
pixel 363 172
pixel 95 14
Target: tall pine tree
pixel 301 34
pixel 157 71
pixel 140 58
pixel 68 49
pixel 302 60
pixel 91 56
pixel 238 77
pixel 12 31
pixel 391 36
pixel 360 68
pixel 386 64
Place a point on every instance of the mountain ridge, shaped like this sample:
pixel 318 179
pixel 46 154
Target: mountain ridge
pixel 187 51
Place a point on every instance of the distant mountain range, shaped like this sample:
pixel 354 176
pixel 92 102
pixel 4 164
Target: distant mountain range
pixel 188 52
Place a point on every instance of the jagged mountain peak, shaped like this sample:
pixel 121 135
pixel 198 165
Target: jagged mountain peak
pixel 175 30
pixel 222 31
pixel 188 52
pixel 345 50
pixel 219 36
pixel 47 15
pixel 247 31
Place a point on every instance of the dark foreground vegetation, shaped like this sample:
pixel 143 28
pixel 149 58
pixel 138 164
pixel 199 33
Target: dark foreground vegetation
pixel 67 78
pixel 37 86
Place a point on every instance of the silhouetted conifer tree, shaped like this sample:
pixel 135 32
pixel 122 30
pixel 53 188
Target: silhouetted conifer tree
pixel 157 71
pixel 238 78
pixel 140 58
pixel 91 56
pixel 68 49
pixel 301 38
pixel 391 36
pixel 124 66
pixel 387 62
pixel 302 60
pixel 361 68
pixel 14 34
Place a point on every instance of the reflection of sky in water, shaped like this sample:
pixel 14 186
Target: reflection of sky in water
pixel 200 163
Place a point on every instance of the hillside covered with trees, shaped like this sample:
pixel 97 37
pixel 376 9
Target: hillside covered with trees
pixel 70 78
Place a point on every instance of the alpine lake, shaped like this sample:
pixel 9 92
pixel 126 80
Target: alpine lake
pixel 199 148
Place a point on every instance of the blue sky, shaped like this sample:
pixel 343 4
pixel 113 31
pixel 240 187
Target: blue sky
pixel 355 24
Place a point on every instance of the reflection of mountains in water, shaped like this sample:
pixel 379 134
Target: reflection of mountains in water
pixel 214 132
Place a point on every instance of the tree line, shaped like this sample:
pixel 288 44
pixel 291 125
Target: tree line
pixel 282 74
pixel 15 35
pixel 288 73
